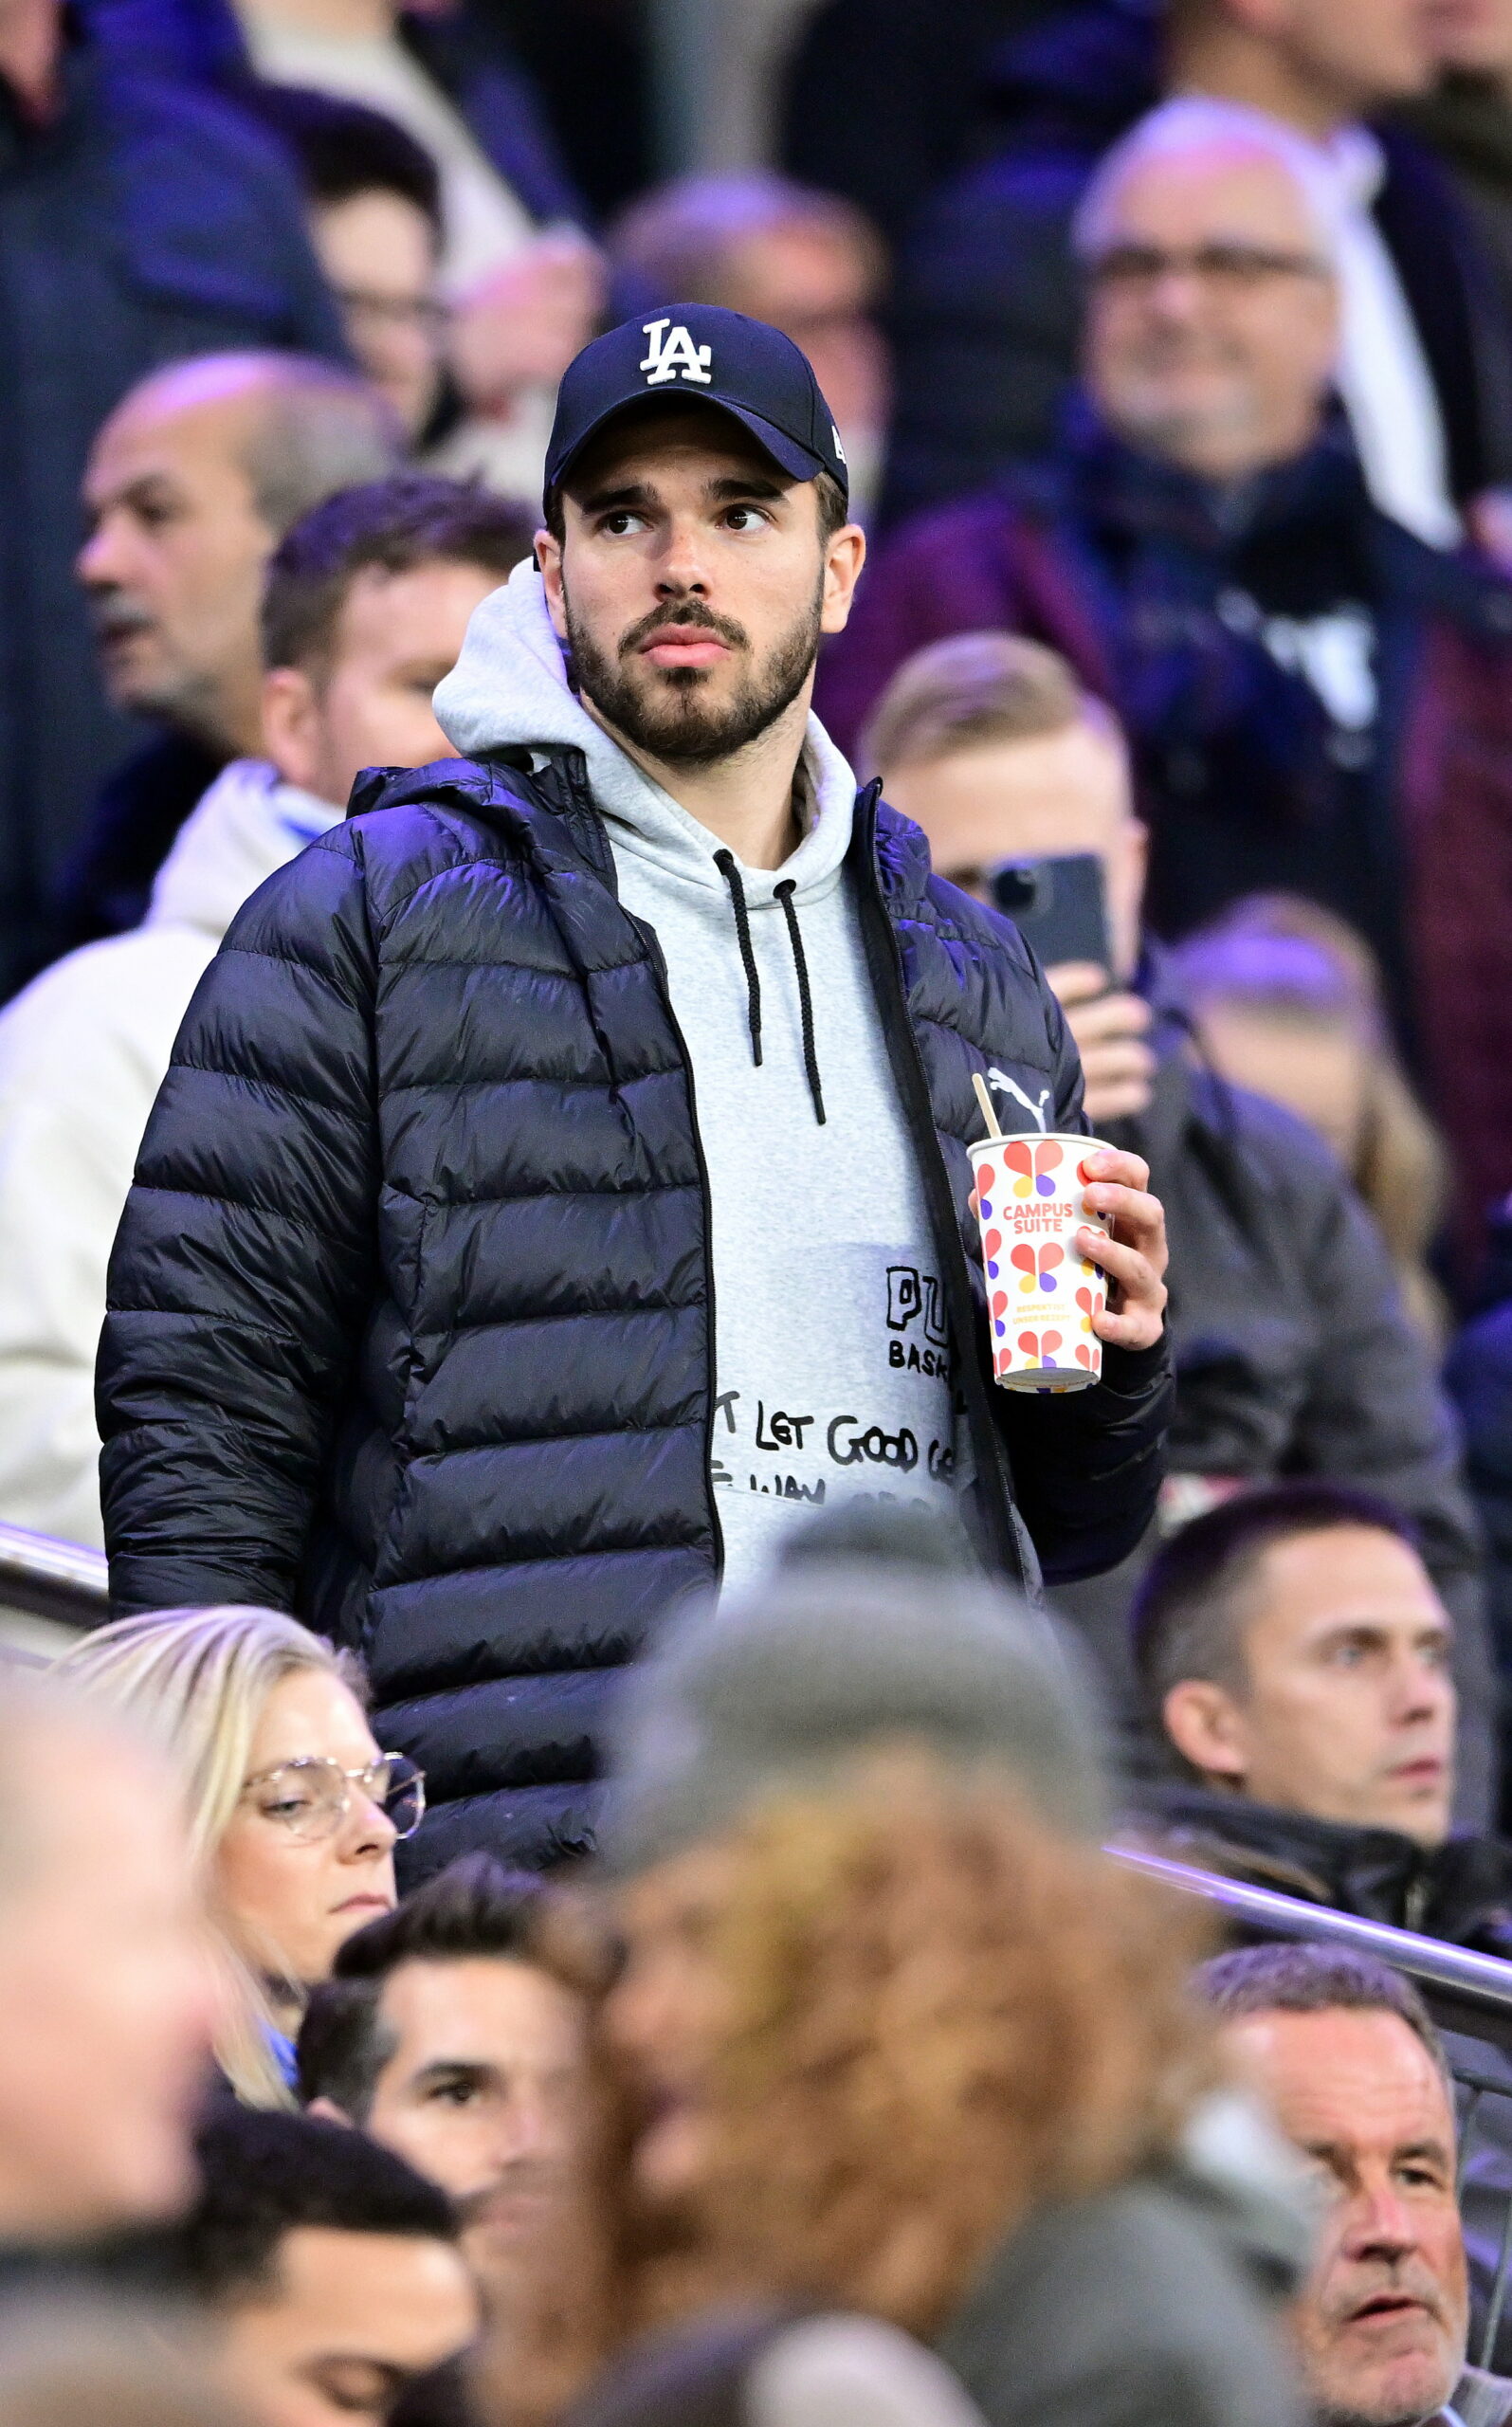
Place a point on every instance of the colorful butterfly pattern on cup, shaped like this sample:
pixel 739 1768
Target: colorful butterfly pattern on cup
pixel 1035 1166
pixel 1037 1265
pixel 1040 1346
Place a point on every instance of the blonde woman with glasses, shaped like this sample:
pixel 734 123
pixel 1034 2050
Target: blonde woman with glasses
pixel 294 1808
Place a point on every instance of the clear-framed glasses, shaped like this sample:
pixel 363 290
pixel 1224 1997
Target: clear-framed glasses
pixel 310 1797
pixel 1226 268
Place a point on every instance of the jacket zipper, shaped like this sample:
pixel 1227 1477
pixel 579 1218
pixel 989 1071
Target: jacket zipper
pixel 891 991
pixel 657 960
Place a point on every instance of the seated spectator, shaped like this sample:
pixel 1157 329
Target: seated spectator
pixel 454 2030
pixel 1479 1377
pixel 986 305
pixel 802 259
pixel 374 196
pixel 114 268
pixel 1467 117
pixel 1343 2052
pixel 294 1809
pixel 191 485
pixel 886 1920
pixel 525 284
pixel 1293 1648
pixel 1294 1352
pixel 107 1999
pixel 366 607
pixel 1202 548
pixel 325 2268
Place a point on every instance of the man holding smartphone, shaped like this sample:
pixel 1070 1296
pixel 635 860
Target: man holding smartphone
pixel 1294 1354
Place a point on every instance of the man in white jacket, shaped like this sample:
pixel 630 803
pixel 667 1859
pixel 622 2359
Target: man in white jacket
pixel 368 601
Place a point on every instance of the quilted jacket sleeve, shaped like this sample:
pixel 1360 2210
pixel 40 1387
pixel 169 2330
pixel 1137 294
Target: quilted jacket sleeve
pixel 1087 1468
pixel 243 1268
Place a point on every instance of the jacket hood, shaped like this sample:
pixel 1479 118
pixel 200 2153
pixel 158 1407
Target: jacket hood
pixel 509 691
pixel 247 825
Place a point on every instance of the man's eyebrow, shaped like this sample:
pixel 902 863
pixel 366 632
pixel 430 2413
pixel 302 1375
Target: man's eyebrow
pixel 1434 2150
pixel 731 486
pixel 617 498
pixel 454 2068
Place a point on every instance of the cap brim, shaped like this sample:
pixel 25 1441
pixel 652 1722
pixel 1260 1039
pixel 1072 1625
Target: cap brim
pixel 799 462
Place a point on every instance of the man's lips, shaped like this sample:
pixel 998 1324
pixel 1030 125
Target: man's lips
pixel 367 1903
pixel 1426 1771
pixel 1388 2308
pixel 678 645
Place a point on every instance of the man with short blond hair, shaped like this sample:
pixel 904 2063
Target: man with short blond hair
pixel 1295 1354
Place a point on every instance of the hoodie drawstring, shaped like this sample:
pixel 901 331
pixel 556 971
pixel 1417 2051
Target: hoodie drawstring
pixel 729 868
pixel 810 1059
pixel 725 863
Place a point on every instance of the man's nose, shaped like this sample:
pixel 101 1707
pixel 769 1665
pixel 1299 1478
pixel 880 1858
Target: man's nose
pixel 1379 2224
pixel 529 2128
pixel 682 571
pixel 101 562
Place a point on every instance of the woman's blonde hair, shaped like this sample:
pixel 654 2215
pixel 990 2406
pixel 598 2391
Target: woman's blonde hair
pixel 1280 957
pixel 198 1680
pixel 939 2014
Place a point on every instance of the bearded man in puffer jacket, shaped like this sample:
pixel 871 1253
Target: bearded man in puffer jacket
pixel 561 1181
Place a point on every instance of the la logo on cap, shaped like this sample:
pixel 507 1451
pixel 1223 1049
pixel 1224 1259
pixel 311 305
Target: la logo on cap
pixel 675 357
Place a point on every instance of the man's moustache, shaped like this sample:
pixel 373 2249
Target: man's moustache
pixel 691 616
pixel 474 2207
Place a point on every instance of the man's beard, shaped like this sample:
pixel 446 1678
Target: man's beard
pixel 667 715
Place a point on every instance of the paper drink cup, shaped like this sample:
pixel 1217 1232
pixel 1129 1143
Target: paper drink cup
pixel 1042 1293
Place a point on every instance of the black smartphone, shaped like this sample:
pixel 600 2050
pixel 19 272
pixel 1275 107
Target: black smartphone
pixel 1059 905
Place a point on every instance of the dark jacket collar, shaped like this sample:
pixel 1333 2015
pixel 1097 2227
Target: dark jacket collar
pixel 1460 1891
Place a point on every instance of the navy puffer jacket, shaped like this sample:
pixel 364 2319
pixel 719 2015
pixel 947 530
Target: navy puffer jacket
pixel 410 1322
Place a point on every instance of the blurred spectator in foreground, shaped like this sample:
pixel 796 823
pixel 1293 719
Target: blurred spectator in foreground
pixel 190 485
pixel 294 1811
pixel 110 266
pixel 326 2270
pixel 1343 2052
pixel 1294 1352
pixel 108 1994
pixel 1293 1648
pixel 1315 701
pixel 1287 1001
pixel 770 2369
pixel 988 298
pixel 76 2362
pixel 455 2030
pixel 374 203
pixel 804 261
pixel 366 607
pixel 907 1921
pixel 525 285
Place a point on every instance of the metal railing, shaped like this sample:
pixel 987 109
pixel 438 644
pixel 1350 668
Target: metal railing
pixel 59 1581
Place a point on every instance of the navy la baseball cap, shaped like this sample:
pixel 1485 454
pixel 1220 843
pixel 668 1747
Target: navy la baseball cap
pixel 698 352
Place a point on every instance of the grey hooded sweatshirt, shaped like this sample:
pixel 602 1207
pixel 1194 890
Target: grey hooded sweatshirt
pixel 824 1273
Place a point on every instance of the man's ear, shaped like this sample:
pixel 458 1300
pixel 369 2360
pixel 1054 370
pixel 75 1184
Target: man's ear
pixel 1207 1727
pixel 328 2111
pixel 549 557
pixel 291 725
pixel 843 558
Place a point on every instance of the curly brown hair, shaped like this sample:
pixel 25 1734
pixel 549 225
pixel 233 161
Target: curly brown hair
pixel 942 2014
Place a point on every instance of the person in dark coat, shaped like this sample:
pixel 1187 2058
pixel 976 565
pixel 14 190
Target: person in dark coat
pixel 138 223
pixel 437 1311
pixel 1293 1352
pixel 987 301
pixel 1478 1374
pixel 1315 699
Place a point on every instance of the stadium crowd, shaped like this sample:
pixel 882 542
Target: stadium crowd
pixel 674 1822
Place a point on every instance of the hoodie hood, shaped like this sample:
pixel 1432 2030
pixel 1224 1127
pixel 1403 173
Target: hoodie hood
pixel 509 691
pixel 247 825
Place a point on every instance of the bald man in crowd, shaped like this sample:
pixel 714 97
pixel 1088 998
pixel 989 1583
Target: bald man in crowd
pixel 190 487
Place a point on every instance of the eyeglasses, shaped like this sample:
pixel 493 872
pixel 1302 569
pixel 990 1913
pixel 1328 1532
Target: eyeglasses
pixel 397 311
pixel 1227 268
pixel 310 1797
